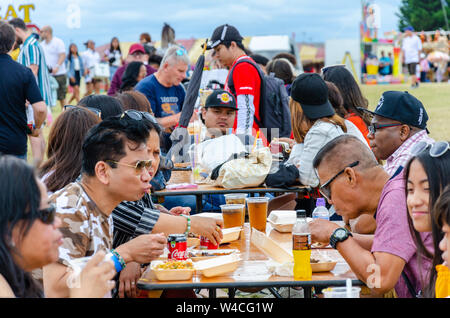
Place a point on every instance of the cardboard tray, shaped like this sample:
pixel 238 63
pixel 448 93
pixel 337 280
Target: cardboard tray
pixel 171 274
pixel 323 267
pixel 219 265
pixel 231 234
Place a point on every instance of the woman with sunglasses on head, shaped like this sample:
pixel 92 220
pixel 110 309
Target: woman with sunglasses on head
pixel 29 237
pixel 107 105
pixel 426 175
pixel 65 140
pixel 340 76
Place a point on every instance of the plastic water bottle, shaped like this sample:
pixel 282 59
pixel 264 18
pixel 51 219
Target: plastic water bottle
pixel 301 247
pixel 321 212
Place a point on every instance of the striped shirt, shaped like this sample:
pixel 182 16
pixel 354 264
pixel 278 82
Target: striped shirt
pixel 32 53
pixel 132 219
pixel 402 155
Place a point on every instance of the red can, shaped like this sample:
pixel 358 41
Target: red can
pixel 177 244
pixel 206 244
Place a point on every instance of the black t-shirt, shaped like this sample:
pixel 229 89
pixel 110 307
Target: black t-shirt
pixel 17 84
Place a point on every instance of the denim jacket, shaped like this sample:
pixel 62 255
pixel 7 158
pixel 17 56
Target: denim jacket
pixel 71 68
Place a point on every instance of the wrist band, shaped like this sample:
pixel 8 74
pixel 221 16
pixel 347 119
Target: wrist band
pixel 119 259
pixel 116 263
pixel 188 227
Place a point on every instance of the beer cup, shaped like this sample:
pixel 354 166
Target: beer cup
pixel 232 215
pixel 257 212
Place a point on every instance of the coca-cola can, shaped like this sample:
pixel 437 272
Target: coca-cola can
pixel 205 244
pixel 177 244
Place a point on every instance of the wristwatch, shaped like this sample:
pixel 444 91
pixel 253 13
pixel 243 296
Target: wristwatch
pixel 339 235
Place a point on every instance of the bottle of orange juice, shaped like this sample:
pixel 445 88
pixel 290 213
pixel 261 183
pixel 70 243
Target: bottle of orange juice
pixel 301 247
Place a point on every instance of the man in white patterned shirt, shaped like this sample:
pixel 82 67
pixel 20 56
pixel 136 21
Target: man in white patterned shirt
pixel 399 122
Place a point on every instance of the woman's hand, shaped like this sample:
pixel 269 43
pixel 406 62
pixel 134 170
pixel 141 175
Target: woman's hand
pixel 96 278
pixel 128 280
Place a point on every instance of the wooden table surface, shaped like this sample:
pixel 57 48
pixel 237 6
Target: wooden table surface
pixel 184 177
pixel 253 272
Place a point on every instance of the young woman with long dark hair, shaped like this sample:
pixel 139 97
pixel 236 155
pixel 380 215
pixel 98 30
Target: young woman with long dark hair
pixel 29 237
pixel 426 175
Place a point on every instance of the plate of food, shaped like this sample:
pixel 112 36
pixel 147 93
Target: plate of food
pixel 322 264
pixel 173 269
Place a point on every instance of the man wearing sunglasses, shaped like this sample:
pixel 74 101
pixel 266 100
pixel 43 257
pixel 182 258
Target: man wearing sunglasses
pixel 354 183
pixel 116 167
pixel 399 122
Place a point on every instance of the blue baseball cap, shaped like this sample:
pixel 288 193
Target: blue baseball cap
pixel 408 28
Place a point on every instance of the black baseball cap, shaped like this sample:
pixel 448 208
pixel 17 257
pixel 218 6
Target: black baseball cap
pixel 221 98
pixel 402 107
pixel 224 33
pixel 311 91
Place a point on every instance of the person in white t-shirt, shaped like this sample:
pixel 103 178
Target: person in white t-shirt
pixel 55 55
pixel 411 48
pixel 90 58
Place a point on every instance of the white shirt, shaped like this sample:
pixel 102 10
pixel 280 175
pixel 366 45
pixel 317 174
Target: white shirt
pixel 52 50
pixel 90 58
pixel 411 46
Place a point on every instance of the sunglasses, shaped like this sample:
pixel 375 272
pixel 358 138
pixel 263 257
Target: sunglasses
pixel 326 68
pixel 325 189
pixel 373 127
pixel 96 111
pixel 436 150
pixel 138 167
pixel 181 52
pixel 47 215
pixel 138 115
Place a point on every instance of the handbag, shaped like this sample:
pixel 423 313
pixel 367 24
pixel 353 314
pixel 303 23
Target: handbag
pixel 285 177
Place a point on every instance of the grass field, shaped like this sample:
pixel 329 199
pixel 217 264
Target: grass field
pixel 434 96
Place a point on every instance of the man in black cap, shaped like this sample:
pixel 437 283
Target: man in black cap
pixel 219 113
pixel 229 50
pixel 399 122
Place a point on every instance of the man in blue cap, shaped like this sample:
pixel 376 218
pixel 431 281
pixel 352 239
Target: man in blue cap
pixel 399 122
pixel 411 48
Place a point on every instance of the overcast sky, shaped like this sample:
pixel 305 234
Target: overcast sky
pixel 310 20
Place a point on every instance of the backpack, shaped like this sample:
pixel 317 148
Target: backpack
pixel 274 102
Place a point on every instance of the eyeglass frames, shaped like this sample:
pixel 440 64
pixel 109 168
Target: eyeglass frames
pixel 373 127
pixel 96 111
pixel 138 167
pixel 436 150
pixel 325 189
pixel 47 215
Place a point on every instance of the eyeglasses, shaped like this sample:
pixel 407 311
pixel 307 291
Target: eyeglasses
pixel 181 52
pixel 326 68
pixel 373 127
pixel 138 167
pixel 96 111
pixel 325 189
pixel 436 150
pixel 47 215
pixel 138 115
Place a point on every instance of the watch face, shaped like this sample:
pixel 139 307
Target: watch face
pixel 341 233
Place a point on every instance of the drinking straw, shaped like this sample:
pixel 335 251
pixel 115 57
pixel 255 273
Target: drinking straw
pixel 349 287
pixel 254 143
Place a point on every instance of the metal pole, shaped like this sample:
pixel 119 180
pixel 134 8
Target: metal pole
pixel 444 4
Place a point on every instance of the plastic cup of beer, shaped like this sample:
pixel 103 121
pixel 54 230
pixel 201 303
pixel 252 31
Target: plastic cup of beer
pixel 237 198
pixel 257 212
pixel 232 215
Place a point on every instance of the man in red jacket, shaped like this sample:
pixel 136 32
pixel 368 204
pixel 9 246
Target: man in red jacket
pixel 136 53
pixel 227 44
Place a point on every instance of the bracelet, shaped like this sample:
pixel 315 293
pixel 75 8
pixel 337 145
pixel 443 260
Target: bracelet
pixel 116 263
pixel 119 258
pixel 188 227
